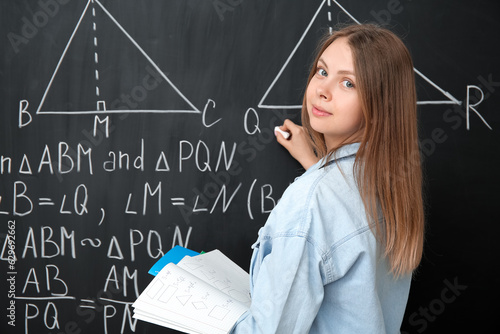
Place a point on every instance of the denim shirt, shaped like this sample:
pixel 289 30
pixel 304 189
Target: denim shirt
pixel 317 266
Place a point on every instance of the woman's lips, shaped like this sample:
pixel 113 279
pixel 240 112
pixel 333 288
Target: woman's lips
pixel 319 113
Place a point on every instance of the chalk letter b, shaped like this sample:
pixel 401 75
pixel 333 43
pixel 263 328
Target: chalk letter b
pixel 23 106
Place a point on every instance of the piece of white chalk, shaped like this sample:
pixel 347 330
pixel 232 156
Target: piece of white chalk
pixel 284 133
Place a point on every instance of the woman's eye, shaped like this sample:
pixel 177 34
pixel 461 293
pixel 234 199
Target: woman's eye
pixel 322 72
pixel 347 84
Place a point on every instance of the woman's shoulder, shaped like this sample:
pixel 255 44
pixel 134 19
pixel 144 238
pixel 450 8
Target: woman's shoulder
pixel 322 200
pixel 333 176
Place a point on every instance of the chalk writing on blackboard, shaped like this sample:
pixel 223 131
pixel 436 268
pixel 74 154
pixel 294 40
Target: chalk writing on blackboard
pixel 102 106
pixel 450 99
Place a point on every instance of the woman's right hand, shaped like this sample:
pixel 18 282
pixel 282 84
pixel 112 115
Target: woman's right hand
pixel 297 144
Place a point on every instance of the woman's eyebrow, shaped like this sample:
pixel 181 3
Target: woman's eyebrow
pixel 344 72
pixel 320 60
pixel 341 72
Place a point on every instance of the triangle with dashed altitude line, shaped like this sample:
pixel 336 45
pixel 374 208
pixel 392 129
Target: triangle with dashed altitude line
pixel 104 70
pixel 329 13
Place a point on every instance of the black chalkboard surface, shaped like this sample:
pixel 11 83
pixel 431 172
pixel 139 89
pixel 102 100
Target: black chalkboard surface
pixel 129 127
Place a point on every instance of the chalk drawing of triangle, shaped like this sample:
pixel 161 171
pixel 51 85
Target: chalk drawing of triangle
pixel 183 299
pixel 326 6
pixel 93 75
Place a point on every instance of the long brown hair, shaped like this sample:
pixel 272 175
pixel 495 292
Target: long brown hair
pixel 387 167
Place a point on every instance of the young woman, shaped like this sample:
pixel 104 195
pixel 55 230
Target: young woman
pixel 337 253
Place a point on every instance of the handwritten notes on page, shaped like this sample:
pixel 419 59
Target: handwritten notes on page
pixel 202 294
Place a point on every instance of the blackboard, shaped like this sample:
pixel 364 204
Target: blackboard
pixel 128 127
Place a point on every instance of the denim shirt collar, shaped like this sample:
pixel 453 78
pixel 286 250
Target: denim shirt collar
pixel 341 153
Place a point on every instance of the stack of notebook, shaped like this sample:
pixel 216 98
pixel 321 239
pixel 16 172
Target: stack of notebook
pixel 201 293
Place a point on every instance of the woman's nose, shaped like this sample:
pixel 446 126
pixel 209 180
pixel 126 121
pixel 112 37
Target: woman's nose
pixel 323 92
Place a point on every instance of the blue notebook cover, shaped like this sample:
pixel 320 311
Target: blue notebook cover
pixel 174 255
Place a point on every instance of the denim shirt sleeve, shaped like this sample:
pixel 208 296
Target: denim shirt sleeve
pixel 285 297
pixel 287 274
